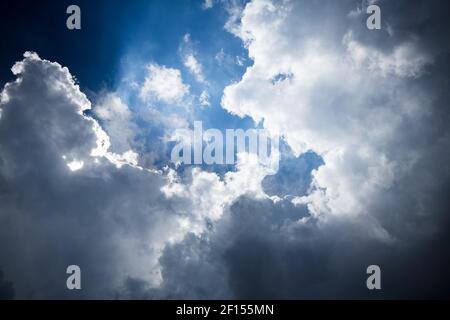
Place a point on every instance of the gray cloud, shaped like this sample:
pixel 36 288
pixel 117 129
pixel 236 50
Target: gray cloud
pixel 110 221
pixel 139 233
pixel 257 252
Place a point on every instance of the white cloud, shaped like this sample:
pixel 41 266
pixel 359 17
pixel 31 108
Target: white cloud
pixel 331 102
pixel 234 9
pixel 207 4
pixel 209 195
pixel 358 107
pixel 75 165
pixel 71 191
pixel 164 84
pixel 240 61
pixel 190 60
pixel 117 120
pixel 194 67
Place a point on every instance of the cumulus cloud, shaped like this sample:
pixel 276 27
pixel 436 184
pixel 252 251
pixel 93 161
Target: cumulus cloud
pixel 271 250
pixel 209 194
pixel 164 84
pixel 117 120
pixel 358 125
pixel 372 106
pixel 70 196
pixel 74 199
pixel 363 177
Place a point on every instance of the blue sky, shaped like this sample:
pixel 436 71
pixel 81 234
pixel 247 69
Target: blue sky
pixel 120 38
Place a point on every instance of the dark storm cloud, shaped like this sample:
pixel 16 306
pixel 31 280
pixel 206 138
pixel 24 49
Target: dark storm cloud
pixel 416 203
pixel 257 253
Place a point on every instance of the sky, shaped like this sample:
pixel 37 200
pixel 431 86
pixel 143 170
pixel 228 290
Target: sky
pixel 89 119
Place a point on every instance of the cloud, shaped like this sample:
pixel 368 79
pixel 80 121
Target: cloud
pixel 65 195
pixel 190 60
pixel 363 176
pixel 164 84
pixel 371 107
pixel 234 9
pixel 207 194
pixel 194 67
pixel 294 175
pixel 74 199
pixel 271 250
pixel 117 120
pixel 362 127
pixel 207 4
